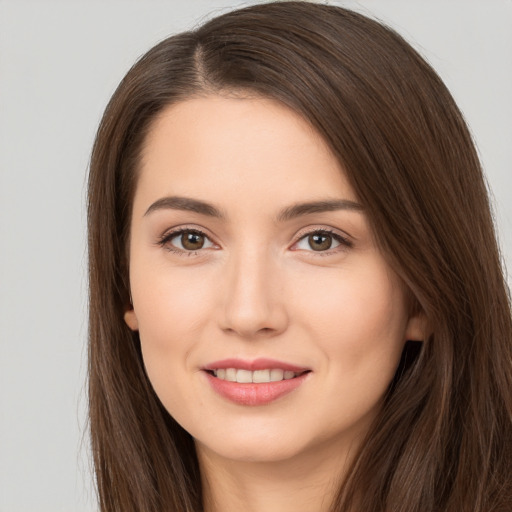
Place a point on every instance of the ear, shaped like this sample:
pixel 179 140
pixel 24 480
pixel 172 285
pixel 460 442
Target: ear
pixel 416 329
pixel 131 319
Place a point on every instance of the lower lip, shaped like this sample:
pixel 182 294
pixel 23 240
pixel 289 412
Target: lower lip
pixel 254 394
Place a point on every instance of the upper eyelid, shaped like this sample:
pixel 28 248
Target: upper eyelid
pixel 302 233
pixel 164 241
pixel 175 231
pixel 323 229
pixel 344 240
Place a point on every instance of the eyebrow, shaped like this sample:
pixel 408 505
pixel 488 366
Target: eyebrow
pixel 329 205
pixel 288 213
pixel 187 204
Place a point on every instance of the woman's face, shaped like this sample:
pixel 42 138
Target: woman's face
pixel 251 260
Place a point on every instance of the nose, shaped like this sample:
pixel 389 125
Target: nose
pixel 253 304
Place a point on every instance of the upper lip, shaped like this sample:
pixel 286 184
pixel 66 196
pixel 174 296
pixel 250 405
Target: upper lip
pixel 255 364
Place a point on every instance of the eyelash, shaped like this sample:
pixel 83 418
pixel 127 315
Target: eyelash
pixel 344 243
pixel 166 238
pixel 164 241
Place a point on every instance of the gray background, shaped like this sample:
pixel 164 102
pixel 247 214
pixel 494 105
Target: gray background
pixel 59 63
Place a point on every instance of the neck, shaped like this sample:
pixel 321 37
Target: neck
pixel 305 483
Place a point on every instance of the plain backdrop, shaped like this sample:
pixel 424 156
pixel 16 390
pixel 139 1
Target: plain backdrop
pixel 59 64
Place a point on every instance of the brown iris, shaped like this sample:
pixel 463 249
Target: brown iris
pixel 320 241
pixel 192 241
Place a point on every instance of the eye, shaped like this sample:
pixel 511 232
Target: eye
pixel 321 241
pixel 186 240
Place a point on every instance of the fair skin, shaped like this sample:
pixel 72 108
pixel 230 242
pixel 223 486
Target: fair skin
pixel 252 276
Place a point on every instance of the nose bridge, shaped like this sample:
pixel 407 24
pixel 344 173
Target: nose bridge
pixel 253 302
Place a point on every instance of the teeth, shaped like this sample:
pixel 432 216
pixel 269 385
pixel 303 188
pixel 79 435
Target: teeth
pixel 243 376
pixel 276 375
pixel 261 376
pixel 258 376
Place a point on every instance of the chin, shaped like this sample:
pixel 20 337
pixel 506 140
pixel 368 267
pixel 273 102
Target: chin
pixel 253 451
pixel 261 443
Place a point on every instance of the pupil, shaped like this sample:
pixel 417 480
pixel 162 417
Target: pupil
pixel 320 242
pixel 192 241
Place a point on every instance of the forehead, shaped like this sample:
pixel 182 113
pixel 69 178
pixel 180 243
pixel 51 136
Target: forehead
pixel 226 149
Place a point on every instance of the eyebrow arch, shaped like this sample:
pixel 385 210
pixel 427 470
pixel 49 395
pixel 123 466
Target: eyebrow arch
pixel 187 204
pixel 288 213
pixel 330 205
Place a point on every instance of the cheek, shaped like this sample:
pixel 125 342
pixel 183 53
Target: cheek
pixel 172 308
pixel 357 321
pixel 356 315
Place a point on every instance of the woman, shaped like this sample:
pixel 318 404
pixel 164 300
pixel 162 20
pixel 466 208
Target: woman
pixel 296 299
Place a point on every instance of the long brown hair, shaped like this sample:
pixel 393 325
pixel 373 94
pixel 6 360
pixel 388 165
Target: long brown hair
pixel 443 439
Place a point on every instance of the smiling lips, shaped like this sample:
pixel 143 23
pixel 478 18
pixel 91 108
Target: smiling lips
pixel 256 382
pixel 258 376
